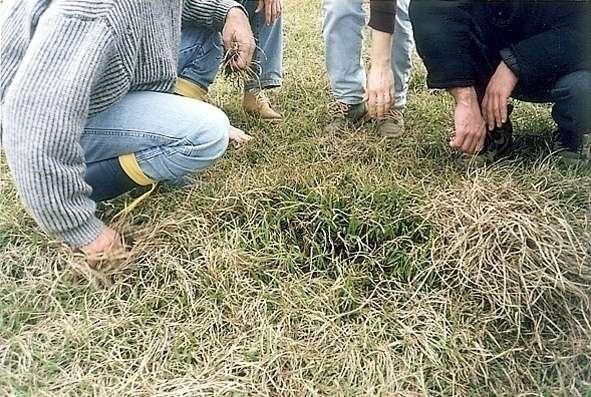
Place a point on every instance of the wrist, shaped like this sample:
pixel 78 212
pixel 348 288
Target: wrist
pixel 236 12
pixel 464 95
pixel 381 63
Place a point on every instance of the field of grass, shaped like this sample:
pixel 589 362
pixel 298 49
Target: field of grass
pixel 309 264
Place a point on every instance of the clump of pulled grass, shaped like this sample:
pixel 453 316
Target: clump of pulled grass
pixel 516 252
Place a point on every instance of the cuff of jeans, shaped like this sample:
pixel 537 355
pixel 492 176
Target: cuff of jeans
pixel 510 60
pixel 83 234
pixel 221 12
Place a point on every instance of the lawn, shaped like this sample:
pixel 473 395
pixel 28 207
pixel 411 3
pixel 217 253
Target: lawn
pixel 311 264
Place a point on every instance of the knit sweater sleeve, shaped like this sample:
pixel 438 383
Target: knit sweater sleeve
pixel 208 13
pixel 44 114
pixel 382 15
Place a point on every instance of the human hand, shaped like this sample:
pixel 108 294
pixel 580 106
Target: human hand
pixel 380 90
pixel 107 245
pixel 238 39
pixel 470 128
pixel 500 87
pixel 273 10
pixel 238 137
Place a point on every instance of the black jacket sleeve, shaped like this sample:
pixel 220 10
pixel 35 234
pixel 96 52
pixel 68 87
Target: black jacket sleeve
pixel 442 30
pixel 383 15
pixel 547 56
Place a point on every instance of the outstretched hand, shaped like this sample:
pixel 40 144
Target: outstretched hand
pixel 107 245
pixel 470 128
pixel 238 137
pixel 494 104
pixel 380 91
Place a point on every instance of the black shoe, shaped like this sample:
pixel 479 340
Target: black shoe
pixel 573 156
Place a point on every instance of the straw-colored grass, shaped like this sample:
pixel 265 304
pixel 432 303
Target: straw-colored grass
pixel 309 264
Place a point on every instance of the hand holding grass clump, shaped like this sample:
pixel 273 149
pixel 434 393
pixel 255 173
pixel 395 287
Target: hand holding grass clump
pixel 239 41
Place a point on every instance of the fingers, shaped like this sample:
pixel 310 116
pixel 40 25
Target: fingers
pixel 470 131
pixel 494 109
pixel 378 103
pixel 502 111
pixel 260 6
pixel 238 137
pixel 488 110
pixel 268 13
pixel 243 57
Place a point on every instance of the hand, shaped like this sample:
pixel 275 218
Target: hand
pixel 273 10
pixel 380 91
pixel 500 87
pixel 238 137
pixel 238 39
pixel 107 244
pixel 470 128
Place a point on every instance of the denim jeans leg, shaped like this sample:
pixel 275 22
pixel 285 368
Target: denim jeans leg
pixel 200 55
pixel 176 136
pixel 572 107
pixel 343 39
pixel 402 53
pixel 269 54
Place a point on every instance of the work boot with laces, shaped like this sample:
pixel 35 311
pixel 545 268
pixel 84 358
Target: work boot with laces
pixel 344 116
pixel 392 125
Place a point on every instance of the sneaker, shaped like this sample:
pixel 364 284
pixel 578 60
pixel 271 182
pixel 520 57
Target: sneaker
pixel 256 103
pixel 392 125
pixel 346 115
pixel 569 156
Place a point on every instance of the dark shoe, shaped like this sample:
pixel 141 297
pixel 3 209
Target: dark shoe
pixel 392 125
pixel 346 115
pixel 580 156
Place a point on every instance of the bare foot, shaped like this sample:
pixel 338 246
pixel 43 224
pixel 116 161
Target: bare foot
pixel 238 137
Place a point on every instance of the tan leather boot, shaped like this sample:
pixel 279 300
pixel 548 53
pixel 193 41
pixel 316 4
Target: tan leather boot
pixel 257 104
pixel 189 89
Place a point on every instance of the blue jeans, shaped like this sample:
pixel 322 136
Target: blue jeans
pixel 343 25
pixel 202 52
pixel 170 135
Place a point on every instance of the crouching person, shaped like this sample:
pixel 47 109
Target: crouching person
pixel 483 53
pixel 86 109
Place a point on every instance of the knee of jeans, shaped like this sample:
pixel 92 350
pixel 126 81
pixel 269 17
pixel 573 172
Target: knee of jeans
pixel 577 84
pixel 576 102
pixel 212 137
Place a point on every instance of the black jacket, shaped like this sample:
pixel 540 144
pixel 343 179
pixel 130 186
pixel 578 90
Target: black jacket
pixel 462 41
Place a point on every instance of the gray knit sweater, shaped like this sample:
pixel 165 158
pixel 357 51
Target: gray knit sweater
pixel 63 60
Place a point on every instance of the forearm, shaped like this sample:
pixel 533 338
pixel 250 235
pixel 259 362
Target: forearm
pixel 381 49
pixel 210 14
